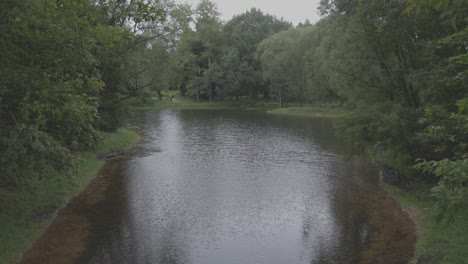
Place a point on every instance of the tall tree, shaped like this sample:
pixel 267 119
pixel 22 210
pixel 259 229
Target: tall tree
pixel 63 69
pixel 199 50
pixel 125 26
pixel 445 120
pixel 244 33
pixel 48 86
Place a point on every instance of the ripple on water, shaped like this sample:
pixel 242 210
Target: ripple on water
pixel 245 187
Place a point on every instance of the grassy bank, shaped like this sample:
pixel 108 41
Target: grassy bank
pixel 311 111
pixel 180 102
pixel 26 212
pixel 178 105
pixel 188 103
pixel 306 111
pixel 437 243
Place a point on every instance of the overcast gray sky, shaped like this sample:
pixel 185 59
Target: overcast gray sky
pixel 291 10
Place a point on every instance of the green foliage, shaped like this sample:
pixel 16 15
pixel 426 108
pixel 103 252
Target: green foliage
pixel 445 133
pixel 451 192
pixel 404 73
pixel 444 136
pixel 388 129
pixel 198 52
pixel 453 11
pixel 48 88
pixel 50 82
pixel 65 68
pixel 241 37
pixel 388 125
pixel 28 153
pixel 401 65
pixel 293 62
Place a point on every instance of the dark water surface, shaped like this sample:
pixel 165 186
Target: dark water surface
pixel 240 187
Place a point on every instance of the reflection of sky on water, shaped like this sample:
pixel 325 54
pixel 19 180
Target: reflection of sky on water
pixel 238 187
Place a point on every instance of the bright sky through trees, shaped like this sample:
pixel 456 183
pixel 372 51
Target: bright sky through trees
pixel 293 10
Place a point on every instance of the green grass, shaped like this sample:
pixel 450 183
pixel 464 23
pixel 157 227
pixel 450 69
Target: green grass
pixel 201 105
pixel 441 243
pixel 30 209
pixel 178 105
pixel 111 141
pixel 180 102
pixel 311 111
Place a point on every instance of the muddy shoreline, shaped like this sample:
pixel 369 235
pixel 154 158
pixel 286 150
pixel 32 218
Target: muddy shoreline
pixel 393 240
pixel 66 239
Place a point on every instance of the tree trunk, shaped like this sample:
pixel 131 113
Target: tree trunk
pixel 209 81
pixel 210 91
pixel 279 98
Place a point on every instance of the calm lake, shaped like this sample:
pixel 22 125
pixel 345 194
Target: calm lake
pixel 240 187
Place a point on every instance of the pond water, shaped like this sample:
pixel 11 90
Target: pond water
pixel 231 186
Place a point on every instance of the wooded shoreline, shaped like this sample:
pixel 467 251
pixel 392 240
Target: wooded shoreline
pixel 71 71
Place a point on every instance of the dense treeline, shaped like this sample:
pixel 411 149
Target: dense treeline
pixel 65 68
pixel 400 65
pixel 219 61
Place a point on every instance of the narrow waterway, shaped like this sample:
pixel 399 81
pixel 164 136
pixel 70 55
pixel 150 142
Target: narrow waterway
pixel 230 186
